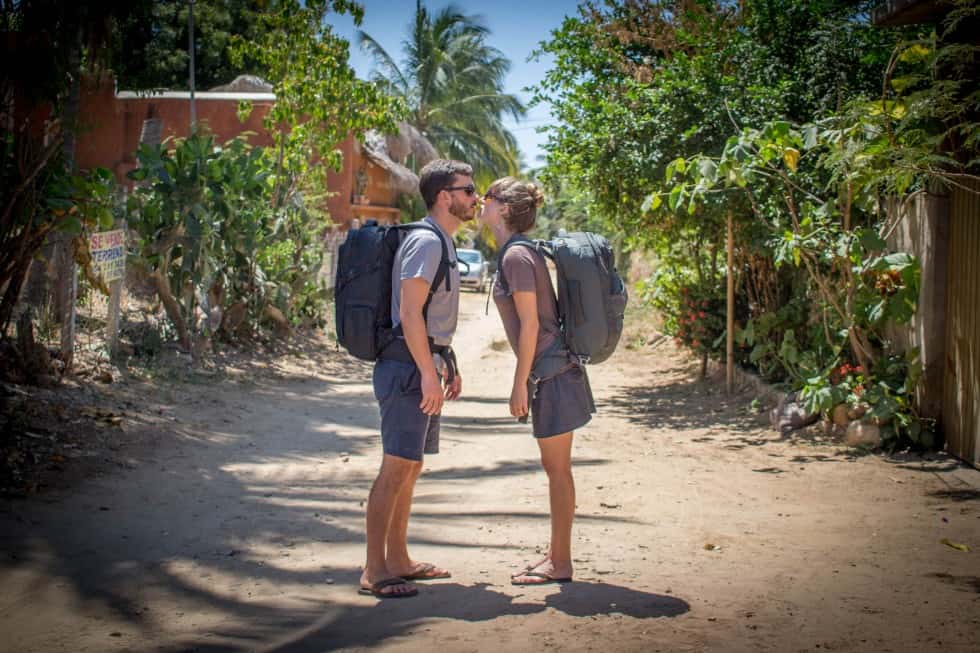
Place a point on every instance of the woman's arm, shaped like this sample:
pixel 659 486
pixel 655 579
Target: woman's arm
pixel 526 303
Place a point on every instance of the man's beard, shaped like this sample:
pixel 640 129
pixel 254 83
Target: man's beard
pixel 459 210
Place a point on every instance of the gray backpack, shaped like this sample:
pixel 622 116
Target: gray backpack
pixel 591 295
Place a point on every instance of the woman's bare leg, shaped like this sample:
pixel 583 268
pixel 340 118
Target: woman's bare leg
pixel 556 458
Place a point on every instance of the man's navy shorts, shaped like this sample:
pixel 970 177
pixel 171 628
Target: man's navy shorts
pixel 406 431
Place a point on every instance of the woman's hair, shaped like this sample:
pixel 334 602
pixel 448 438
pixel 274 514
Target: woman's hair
pixel 522 199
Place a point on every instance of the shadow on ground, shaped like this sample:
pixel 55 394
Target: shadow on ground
pixel 383 620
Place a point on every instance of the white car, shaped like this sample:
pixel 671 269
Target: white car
pixel 474 271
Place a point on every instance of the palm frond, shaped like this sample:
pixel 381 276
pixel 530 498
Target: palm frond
pixel 389 69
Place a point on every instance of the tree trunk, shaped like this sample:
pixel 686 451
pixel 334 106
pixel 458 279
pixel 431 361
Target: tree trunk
pixel 172 307
pixel 66 287
pixel 281 325
pixel 232 319
pixel 35 364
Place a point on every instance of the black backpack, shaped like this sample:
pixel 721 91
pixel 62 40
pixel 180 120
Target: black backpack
pixel 362 290
pixel 591 295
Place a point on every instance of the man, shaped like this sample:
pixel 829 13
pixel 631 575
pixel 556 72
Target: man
pixel 409 375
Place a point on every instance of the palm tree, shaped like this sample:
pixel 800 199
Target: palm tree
pixel 452 82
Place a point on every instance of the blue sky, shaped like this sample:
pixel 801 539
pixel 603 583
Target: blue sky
pixel 516 29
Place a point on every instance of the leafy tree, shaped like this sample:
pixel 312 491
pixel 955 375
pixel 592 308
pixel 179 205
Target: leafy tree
pixel 319 100
pixel 637 85
pixel 211 238
pixel 149 47
pixel 451 80
pixel 232 229
pixel 46 47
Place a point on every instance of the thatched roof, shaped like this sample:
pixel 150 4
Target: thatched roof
pixel 390 153
pixel 244 84
pixel 400 178
pixel 407 141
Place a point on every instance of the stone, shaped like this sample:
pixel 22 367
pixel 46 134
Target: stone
pixel 863 434
pixel 839 416
pixel 857 412
pixel 790 415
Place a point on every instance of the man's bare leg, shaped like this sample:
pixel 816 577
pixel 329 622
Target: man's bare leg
pixel 395 473
pixel 396 556
pixel 397 559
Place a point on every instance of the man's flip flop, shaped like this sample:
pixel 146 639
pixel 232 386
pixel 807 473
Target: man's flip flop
pixel 548 580
pixel 426 571
pixel 375 589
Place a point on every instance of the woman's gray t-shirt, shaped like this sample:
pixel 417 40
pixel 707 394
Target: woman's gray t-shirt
pixel 418 257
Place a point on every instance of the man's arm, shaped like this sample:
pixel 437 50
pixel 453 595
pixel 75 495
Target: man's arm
pixel 414 293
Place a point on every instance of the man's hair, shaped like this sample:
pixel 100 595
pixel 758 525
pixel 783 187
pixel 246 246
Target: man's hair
pixel 437 175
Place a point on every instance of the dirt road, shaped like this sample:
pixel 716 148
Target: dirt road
pixel 234 522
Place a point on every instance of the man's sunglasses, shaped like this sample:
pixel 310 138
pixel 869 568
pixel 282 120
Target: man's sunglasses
pixel 469 189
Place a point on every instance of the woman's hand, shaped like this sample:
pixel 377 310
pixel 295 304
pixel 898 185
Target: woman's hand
pixel 518 400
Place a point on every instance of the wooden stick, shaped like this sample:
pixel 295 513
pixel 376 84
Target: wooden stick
pixel 730 317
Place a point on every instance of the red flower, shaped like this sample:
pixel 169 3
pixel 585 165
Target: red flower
pixel 700 313
pixel 859 389
pixel 695 343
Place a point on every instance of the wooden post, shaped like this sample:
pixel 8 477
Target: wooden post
pixel 730 314
pixel 65 296
pixel 115 293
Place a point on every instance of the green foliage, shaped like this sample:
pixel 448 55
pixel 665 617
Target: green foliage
pixel 412 207
pixel 648 97
pixel 700 321
pixel 51 200
pixel 206 221
pixel 148 48
pixel 45 48
pixel 319 100
pixel 452 82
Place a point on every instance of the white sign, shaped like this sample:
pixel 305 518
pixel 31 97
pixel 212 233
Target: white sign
pixel 108 250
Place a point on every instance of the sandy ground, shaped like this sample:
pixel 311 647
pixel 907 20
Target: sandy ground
pixel 234 519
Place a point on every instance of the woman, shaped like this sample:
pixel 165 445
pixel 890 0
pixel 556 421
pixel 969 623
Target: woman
pixel 548 380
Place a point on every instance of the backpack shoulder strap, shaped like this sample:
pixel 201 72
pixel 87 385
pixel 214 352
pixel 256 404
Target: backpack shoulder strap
pixel 534 245
pixel 442 272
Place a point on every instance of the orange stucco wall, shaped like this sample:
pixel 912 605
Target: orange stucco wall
pixel 110 130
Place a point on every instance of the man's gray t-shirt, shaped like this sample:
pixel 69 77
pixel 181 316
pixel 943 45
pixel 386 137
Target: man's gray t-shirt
pixel 418 257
